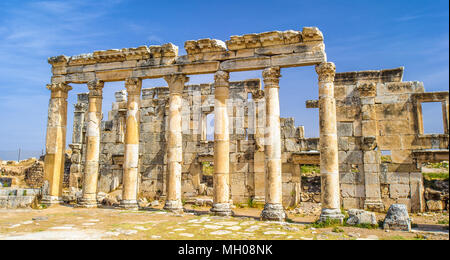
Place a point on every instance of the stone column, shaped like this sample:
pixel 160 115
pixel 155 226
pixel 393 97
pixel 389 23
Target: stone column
pixel 273 209
pixel 94 119
pixel 259 157
pixel 55 143
pixel 329 164
pixel 77 141
pixel 445 115
pixel 131 160
pixel 174 143
pixel 221 204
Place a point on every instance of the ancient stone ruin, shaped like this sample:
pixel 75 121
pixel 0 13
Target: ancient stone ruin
pixel 154 142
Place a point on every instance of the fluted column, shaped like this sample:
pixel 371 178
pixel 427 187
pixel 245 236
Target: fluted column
pixel 131 162
pixel 94 119
pixel 55 143
pixel 221 203
pixel 273 209
pixel 329 164
pixel 174 143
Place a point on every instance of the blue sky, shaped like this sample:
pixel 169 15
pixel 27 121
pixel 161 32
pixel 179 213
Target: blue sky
pixel 359 35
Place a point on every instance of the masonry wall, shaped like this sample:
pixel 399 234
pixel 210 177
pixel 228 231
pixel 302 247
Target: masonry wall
pixel 378 113
pixel 246 143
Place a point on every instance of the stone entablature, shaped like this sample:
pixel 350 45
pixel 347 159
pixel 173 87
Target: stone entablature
pixel 248 52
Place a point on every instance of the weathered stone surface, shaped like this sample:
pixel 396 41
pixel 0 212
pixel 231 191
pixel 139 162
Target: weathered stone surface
pixel 397 218
pixel 358 216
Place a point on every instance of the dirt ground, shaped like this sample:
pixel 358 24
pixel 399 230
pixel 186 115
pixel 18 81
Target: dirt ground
pixel 68 223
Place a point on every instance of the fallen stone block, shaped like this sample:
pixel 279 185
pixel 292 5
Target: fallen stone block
pixel 359 216
pixel 397 218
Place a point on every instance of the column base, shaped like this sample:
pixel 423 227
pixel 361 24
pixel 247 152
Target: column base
pixel 374 205
pixel 51 200
pixel 273 212
pixel 129 204
pixel 87 203
pixel 331 214
pixel 222 209
pixel 174 206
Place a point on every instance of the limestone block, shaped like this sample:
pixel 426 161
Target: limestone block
pixel 435 205
pixel 369 128
pixel 348 190
pixel 399 191
pixel 357 128
pixel 245 64
pixel 241 167
pixel 355 157
pixel 291 145
pixel 344 129
pixel 401 156
pixel 358 216
pixel 370 168
pixel 348 178
pixel 388 142
pixel 371 157
pixel 311 34
pixel 298 59
pixel 343 144
pixel 354 143
pixel 271 38
pixel 342 156
pixel 360 191
pixel 350 203
pixel 397 218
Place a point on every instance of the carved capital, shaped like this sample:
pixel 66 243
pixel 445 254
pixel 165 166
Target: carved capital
pixel 221 78
pixel 176 82
pixel 59 90
pixel 271 76
pixel 80 107
pixel 95 88
pixel 326 71
pixel 59 87
pixel 258 94
pixel 133 86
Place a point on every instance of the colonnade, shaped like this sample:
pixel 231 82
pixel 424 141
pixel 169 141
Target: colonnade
pixel 273 210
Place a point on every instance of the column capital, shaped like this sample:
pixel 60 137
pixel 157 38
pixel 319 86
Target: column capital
pixel 221 78
pixel 95 88
pixel 176 82
pixel 133 86
pixel 326 71
pixel 59 89
pixel 271 76
pixel 258 94
pixel 80 107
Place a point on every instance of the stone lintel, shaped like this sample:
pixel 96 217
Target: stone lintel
pixel 382 76
pixel 431 96
pixel 306 158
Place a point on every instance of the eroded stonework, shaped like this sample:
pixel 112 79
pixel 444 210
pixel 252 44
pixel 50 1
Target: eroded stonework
pixel 362 115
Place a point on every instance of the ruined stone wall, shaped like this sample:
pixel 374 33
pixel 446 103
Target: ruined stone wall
pixel 378 113
pixel 246 143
